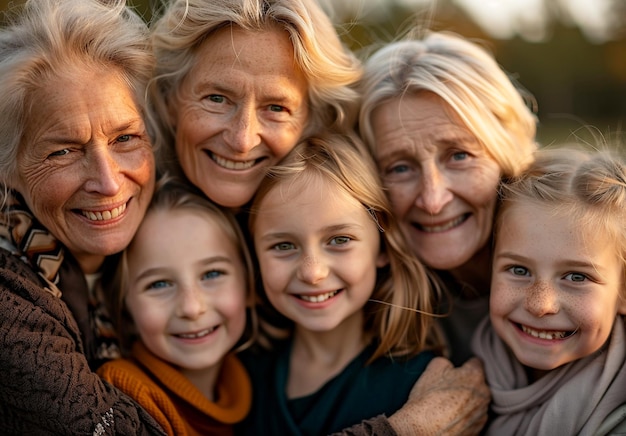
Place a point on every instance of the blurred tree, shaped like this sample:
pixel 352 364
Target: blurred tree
pixel 579 84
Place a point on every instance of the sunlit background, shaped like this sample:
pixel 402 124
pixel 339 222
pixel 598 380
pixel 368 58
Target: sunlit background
pixel 570 54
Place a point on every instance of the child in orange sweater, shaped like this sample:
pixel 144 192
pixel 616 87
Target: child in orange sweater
pixel 184 283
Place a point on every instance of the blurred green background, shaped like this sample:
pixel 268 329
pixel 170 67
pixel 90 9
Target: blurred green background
pixel 570 54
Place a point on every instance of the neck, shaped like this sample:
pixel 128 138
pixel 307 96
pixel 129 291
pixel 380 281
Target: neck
pixel 204 379
pixel 474 276
pixel 317 356
pixel 89 264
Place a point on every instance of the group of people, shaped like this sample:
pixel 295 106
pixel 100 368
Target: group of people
pixel 225 222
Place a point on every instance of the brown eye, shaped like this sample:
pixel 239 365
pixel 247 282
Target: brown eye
pixel 284 246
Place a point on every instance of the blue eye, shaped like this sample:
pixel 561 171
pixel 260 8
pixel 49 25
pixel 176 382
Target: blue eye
pixel 216 98
pixel 213 274
pixel 461 155
pixel 159 284
pixel 519 270
pixel 576 277
pixel 277 108
pixel 398 169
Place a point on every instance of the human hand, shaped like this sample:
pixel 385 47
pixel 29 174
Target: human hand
pixel 445 400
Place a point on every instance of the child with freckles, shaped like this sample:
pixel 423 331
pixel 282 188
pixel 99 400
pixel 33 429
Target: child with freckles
pixel 553 346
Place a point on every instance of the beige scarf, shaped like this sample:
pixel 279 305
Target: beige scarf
pixel 573 399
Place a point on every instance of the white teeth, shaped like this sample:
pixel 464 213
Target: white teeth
pixel 318 298
pixel 104 215
pixel 196 335
pixel 549 335
pixel 443 227
pixel 231 164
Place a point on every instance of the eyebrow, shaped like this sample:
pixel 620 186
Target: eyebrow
pixel 568 262
pixel 330 229
pixel 204 262
pixel 73 137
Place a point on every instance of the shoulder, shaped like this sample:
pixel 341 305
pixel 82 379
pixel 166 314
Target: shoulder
pixel 26 302
pixel 124 373
pixel 404 366
pixel 130 378
pixel 615 423
pixel 14 272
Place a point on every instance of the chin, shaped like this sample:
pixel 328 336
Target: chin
pixel 231 201
pixel 442 263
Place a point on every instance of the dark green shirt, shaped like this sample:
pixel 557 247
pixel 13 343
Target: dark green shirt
pixel 359 392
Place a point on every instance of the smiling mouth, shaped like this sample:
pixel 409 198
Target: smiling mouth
pixel 549 335
pixel 443 227
pixel 104 215
pixel 320 298
pixel 232 164
pixel 197 335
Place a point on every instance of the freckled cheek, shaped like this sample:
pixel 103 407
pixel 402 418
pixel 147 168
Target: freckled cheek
pixel 504 298
pixel 585 313
pixel 195 125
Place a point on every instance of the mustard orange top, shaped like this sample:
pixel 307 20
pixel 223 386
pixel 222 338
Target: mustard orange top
pixel 175 403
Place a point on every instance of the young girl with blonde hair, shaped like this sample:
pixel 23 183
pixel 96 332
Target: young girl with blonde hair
pixel 336 270
pixel 553 348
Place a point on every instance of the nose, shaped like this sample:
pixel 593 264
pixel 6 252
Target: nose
pixel 312 269
pixel 103 172
pixel 434 193
pixel 192 303
pixel 541 299
pixel 243 134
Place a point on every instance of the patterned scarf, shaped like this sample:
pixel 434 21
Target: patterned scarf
pixel 59 270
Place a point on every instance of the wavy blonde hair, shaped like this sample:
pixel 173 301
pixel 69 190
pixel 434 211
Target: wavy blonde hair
pixel 496 110
pixel 399 312
pixel 577 181
pixel 331 70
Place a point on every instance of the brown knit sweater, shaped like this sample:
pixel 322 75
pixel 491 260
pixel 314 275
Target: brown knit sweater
pixel 46 385
pixel 177 405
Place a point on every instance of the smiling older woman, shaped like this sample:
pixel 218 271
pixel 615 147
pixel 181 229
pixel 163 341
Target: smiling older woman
pixel 77 173
pixel 238 82
pixel 446 124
